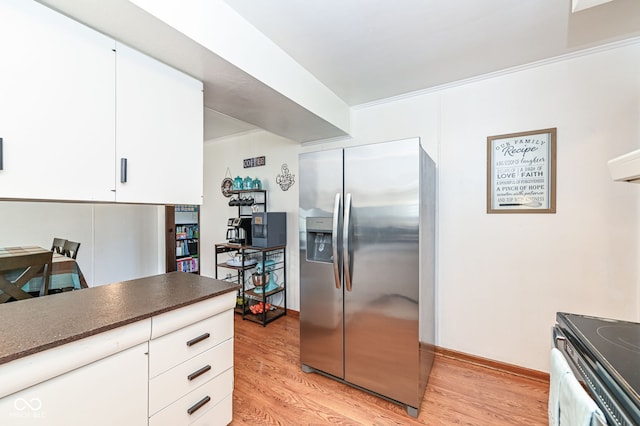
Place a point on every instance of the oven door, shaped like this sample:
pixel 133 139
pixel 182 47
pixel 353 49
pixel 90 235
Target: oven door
pixel 586 371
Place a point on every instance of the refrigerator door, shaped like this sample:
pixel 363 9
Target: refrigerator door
pixel 381 264
pixel 321 289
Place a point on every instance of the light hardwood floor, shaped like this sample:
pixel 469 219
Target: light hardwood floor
pixel 271 389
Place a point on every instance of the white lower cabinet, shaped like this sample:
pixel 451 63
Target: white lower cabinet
pixel 188 376
pixel 110 391
pixel 191 373
pixel 177 369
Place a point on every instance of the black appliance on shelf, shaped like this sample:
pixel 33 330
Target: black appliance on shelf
pixel 232 232
pixel 269 229
pixel 239 231
pixel 605 355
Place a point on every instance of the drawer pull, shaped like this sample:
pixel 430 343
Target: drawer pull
pixel 198 339
pixel 199 372
pixel 198 405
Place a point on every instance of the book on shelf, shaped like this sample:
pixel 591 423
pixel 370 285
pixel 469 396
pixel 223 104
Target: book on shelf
pixel 186 208
pixel 187 264
pixel 186 248
pixel 186 231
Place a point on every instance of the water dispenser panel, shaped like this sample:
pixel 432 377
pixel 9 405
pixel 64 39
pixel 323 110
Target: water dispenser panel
pixel 319 239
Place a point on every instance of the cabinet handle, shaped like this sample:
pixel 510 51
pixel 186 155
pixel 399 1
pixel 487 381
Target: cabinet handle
pixel 123 170
pixel 200 372
pixel 198 405
pixel 198 339
pixel 1 166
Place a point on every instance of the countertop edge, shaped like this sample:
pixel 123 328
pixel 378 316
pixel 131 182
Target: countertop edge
pixel 203 288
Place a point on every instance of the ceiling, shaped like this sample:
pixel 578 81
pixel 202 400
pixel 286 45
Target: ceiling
pixel 369 50
pixel 218 125
pixel 362 51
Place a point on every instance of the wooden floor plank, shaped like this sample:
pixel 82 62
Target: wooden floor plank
pixel 271 389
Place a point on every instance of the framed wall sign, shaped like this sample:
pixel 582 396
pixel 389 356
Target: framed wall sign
pixel 521 172
pixel 254 162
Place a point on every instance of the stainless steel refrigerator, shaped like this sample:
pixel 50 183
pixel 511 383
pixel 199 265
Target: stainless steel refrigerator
pixel 367 267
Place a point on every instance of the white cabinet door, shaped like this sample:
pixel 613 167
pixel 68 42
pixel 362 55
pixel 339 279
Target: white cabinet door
pixel 159 131
pixel 57 109
pixel 111 391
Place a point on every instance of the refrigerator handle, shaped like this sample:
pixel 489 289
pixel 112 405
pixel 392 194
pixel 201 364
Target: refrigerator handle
pixel 345 240
pixel 334 240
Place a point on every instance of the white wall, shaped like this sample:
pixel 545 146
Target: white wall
pixel 127 242
pixel 220 154
pixel 118 242
pixel 501 278
pixel 519 270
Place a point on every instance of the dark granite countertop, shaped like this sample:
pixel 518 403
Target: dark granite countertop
pixel 34 325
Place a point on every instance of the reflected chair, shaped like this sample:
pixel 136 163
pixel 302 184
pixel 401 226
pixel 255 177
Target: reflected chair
pixel 16 271
pixel 70 249
pixel 58 245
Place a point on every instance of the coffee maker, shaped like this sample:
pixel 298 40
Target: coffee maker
pixel 239 230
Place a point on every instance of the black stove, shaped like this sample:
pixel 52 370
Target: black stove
pixel 605 354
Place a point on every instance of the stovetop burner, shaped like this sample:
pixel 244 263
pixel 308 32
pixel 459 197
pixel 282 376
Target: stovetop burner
pixel 624 337
pixel 614 344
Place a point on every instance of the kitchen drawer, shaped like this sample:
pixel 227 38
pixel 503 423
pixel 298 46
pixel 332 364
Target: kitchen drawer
pixel 216 391
pixel 218 415
pixel 174 348
pixel 173 384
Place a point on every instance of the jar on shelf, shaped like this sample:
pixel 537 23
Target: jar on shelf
pixel 248 183
pixel 237 183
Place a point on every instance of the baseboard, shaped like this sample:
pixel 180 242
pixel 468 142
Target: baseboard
pixel 516 370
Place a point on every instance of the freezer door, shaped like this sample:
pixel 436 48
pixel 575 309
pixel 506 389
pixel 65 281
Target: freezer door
pixel 321 294
pixel 382 204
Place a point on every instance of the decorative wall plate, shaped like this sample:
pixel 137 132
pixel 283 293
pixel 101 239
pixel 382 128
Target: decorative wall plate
pixel 285 179
pixel 227 184
pixel 226 187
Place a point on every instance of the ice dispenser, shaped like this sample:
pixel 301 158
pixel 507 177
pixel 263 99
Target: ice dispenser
pixel 319 239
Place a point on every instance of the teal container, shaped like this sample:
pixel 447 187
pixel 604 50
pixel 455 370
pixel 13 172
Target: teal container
pixel 248 183
pixel 237 183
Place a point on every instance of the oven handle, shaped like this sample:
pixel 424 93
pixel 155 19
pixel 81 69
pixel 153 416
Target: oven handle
pixel 558 337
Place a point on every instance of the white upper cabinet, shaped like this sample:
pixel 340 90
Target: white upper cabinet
pixel 159 131
pixel 74 102
pixel 57 106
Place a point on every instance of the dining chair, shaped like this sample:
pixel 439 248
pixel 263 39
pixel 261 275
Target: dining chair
pixel 16 271
pixel 70 249
pixel 58 245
